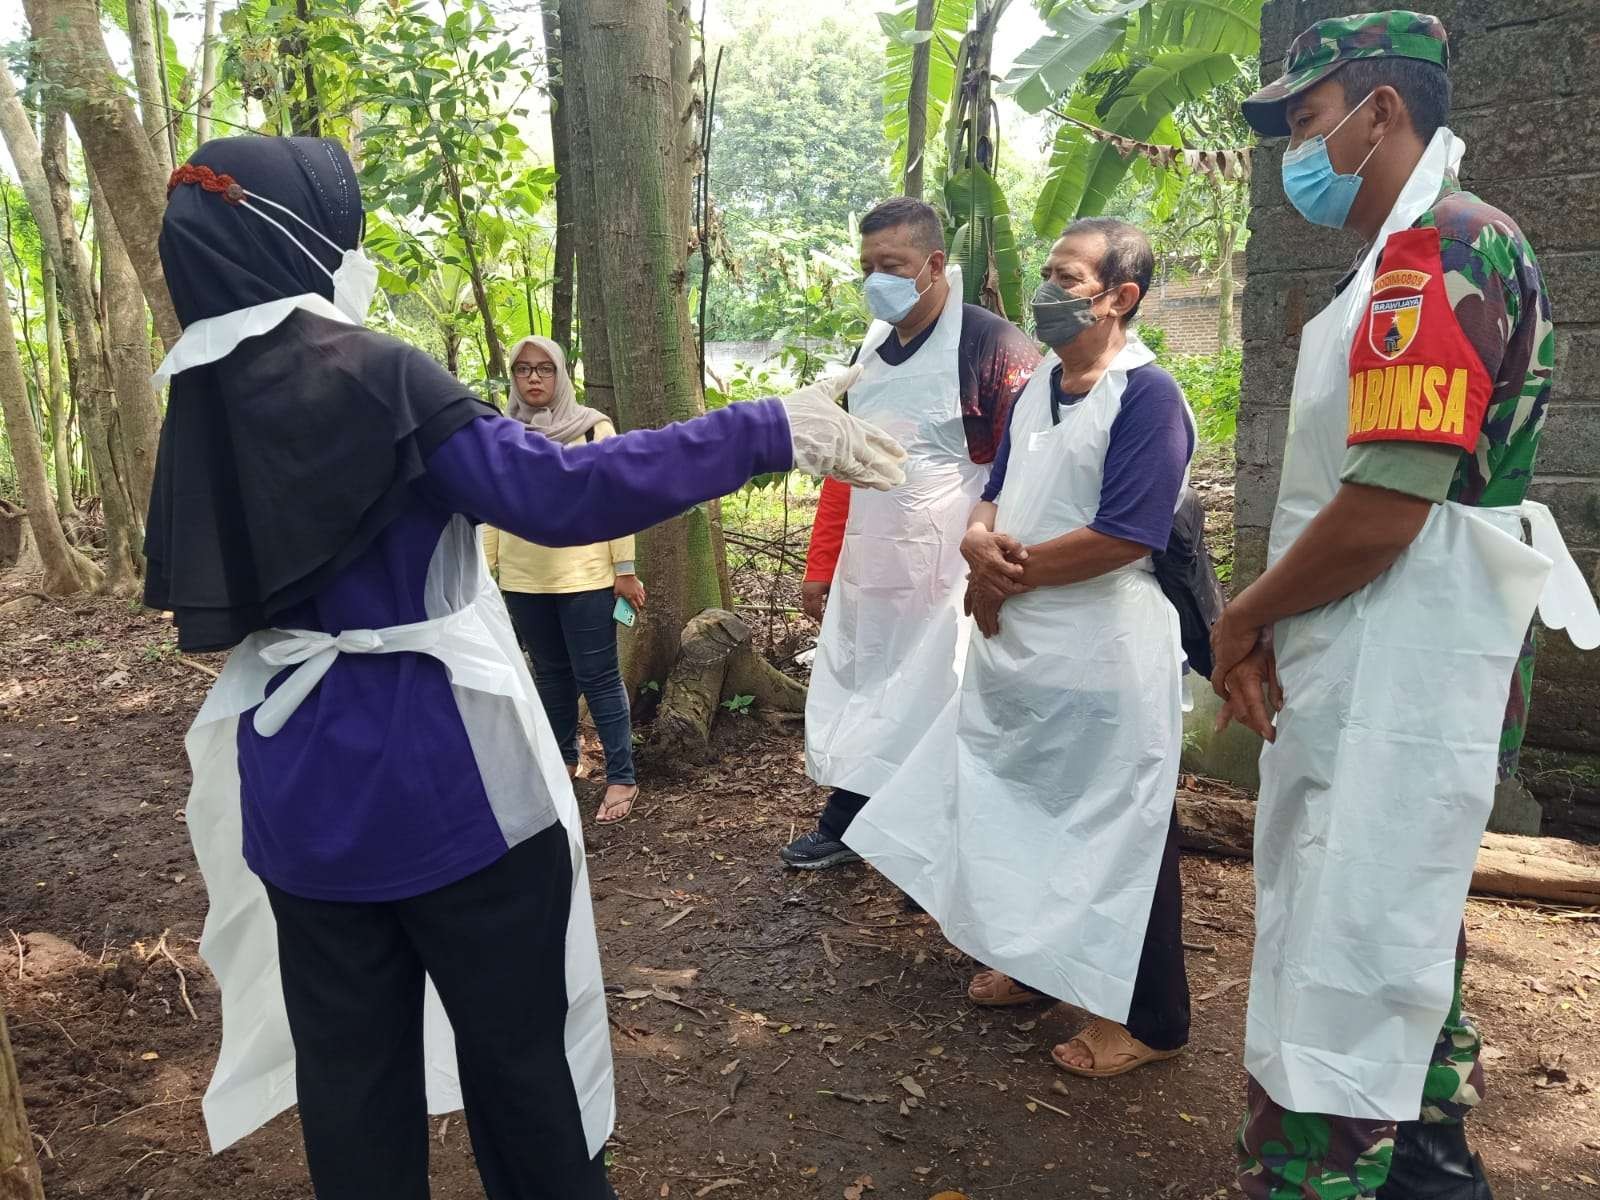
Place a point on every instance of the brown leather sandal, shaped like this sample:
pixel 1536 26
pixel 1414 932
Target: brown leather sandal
pixel 1113 1050
pixel 1001 991
pixel 625 805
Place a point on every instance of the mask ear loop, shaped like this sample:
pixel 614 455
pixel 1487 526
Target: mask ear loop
pixel 281 229
pixel 1341 125
pixel 332 245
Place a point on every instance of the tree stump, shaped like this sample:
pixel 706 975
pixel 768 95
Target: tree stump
pixel 716 662
pixel 13 529
pixel 19 1166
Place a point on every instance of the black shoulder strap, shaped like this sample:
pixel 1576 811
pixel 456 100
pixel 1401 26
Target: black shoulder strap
pixel 588 434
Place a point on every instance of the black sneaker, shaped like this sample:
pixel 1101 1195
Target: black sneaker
pixel 815 851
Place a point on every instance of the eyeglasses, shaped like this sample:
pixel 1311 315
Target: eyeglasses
pixel 543 370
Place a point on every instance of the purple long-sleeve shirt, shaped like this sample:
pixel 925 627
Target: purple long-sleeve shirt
pixel 371 791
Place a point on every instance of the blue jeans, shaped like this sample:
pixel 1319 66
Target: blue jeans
pixel 572 640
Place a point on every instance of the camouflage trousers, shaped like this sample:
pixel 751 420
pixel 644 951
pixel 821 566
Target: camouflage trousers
pixel 1287 1155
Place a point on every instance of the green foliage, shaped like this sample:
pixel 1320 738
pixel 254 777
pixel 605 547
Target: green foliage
pixel 1129 68
pixel 1085 172
pixel 1080 35
pixel 796 153
pixel 977 206
pixel 739 705
pixel 804 296
pixel 795 141
pixel 1211 382
pixel 950 21
pixel 443 161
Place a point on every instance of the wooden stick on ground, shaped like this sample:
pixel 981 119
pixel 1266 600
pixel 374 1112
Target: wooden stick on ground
pixel 1547 870
pixel 19 1165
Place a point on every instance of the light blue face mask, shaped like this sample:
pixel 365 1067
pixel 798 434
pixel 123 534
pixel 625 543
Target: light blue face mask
pixel 1323 196
pixel 891 297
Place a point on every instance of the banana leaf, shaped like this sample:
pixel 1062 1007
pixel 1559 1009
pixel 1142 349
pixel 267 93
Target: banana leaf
pixel 1081 33
pixel 1084 172
pixel 950 21
pixel 977 205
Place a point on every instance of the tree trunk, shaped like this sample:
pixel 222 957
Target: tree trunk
pixel 917 104
pixel 65 570
pixel 147 66
pixel 128 343
pixel 19 1166
pixel 495 355
pixel 642 219
pixel 581 217
pixel 717 661
pixel 114 142
pixel 689 702
pixel 17 130
pixel 92 373
pixel 1227 237
pixel 305 113
pixel 208 75
pixel 561 290
pixel 60 424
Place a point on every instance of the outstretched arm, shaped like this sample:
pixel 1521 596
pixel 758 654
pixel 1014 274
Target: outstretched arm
pixel 496 470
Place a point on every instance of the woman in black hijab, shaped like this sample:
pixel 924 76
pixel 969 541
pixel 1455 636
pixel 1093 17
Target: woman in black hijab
pixel 378 802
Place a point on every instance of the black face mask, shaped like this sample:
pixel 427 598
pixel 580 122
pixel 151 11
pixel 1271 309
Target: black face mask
pixel 1059 317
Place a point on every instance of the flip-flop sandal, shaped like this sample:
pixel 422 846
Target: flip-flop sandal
pixel 626 813
pixel 1012 995
pixel 1108 1042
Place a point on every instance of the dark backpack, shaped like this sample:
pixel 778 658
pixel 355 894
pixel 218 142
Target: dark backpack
pixel 1189 581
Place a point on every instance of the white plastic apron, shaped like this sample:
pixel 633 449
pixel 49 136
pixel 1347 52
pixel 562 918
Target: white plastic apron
pixel 1032 819
pixel 893 640
pixel 1375 796
pixel 254 1078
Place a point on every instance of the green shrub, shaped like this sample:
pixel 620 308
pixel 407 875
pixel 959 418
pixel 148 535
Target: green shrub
pixel 1211 382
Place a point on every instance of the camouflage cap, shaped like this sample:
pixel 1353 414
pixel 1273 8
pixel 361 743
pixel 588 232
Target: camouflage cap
pixel 1328 45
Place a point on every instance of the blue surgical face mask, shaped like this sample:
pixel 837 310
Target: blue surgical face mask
pixel 892 297
pixel 1323 196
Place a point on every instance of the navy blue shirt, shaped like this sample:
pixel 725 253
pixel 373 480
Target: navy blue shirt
pixel 1149 451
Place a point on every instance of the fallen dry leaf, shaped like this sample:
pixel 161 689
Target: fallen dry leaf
pixel 1227 985
pixel 717 1187
pixel 912 1086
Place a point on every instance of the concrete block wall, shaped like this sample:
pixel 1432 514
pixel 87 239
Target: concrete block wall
pixel 1527 104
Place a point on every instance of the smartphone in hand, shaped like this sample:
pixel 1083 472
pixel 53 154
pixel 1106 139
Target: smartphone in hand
pixel 624 613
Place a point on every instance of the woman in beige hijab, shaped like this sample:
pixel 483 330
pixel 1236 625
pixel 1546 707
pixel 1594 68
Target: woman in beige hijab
pixel 563 600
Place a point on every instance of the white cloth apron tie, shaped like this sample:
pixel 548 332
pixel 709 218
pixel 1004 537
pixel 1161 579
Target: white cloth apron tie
pixel 1375 795
pixel 893 639
pixel 255 1078
pixel 1032 817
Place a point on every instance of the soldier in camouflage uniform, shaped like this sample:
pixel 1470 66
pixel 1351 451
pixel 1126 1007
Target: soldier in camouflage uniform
pixel 1499 302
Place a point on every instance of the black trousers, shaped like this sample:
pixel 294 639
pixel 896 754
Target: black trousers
pixel 1159 1013
pixel 839 811
pixel 494 945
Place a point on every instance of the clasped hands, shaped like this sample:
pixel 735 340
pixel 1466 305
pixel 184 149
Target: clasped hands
pixel 995 562
pixel 1245 674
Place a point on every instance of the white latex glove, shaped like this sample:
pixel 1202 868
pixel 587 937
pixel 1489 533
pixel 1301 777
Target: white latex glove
pixel 829 441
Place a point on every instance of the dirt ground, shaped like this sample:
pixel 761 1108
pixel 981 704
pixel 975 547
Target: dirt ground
pixel 777 1034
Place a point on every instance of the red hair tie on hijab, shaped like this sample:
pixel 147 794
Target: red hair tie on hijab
pixel 225 186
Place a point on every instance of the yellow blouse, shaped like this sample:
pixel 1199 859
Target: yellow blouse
pixel 523 566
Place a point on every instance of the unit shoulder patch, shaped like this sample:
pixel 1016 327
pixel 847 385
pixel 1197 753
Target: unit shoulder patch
pixel 1414 374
